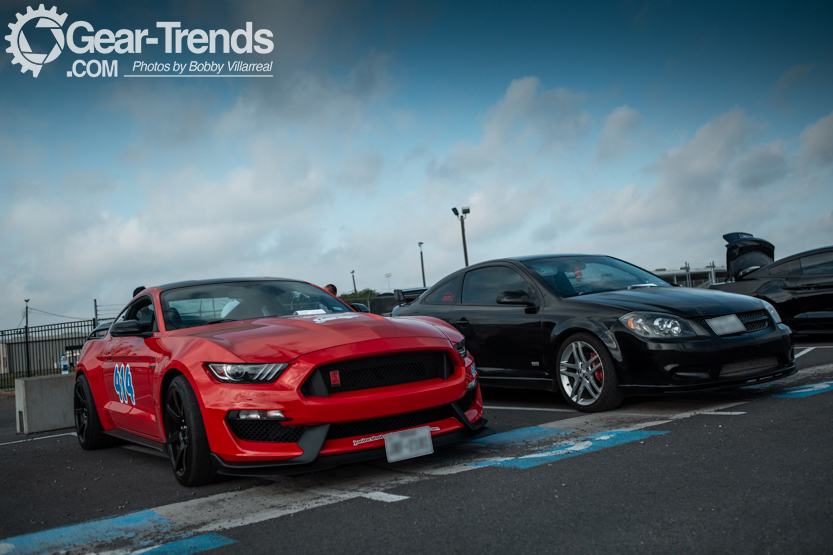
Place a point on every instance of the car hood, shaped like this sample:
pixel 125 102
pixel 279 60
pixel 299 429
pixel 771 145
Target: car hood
pixel 284 339
pixel 745 252
pixel 681 301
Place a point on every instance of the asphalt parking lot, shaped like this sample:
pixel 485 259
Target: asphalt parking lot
pixel 746 471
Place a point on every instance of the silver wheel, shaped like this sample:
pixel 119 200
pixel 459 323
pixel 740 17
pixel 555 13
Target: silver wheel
pixel 582 373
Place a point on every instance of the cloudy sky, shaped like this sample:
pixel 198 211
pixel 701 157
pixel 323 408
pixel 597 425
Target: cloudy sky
pixel 640 129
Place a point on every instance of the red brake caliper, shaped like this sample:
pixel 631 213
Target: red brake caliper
pixel 599 373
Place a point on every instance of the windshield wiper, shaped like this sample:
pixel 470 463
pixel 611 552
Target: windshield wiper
pixel 642 285
pixel 222 320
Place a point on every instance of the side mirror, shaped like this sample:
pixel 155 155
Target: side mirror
pixel 128 328
pixel 359 307
pixel 518 298
pixel 399 296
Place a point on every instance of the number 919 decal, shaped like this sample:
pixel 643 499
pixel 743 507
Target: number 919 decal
pixel 123 382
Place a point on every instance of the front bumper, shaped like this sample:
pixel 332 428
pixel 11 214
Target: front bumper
pixel 701 363
pixel 344 423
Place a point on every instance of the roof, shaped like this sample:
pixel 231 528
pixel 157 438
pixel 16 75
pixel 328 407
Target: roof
pixel 193 282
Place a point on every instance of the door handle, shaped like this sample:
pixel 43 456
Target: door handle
pixel 460 322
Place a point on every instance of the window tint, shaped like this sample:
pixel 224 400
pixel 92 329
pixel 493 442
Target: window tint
pixel 786 269
pixel 569 276
pixel 445 293
pixel 817 264
pixel 141 311
pixel 483 286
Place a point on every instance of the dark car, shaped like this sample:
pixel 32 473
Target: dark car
pixel 800 287
pixel 597 328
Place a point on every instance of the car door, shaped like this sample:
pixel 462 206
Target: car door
pixel 815 290
pixel 439 302
pixel 128 373
pixel 505 340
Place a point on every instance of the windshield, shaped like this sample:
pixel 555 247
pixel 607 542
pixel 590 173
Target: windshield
pixel 570 276
pixel 200 305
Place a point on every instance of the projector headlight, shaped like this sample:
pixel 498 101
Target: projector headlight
pixel 657 326
pixel 247 373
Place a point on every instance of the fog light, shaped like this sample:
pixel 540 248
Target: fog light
pixel 249 415
pixel 274 414
pixel 472 385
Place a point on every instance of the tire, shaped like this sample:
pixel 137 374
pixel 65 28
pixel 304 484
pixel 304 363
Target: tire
pixel 586 375
pixel 87 424
pixel 185 437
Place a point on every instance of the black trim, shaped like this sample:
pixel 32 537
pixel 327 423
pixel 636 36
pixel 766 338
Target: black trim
pixel 135 438
pixel 711 385
pixel 286 468
pixel 311 443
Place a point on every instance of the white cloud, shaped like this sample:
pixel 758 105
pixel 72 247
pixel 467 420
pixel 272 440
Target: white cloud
pixel 817 142
pixel 619 126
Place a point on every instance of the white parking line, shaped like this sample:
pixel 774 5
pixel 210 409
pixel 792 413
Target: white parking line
pixel 804 352
pixel 36 438
pixel 495 407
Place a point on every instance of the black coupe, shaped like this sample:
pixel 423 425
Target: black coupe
pixel 800 287
pixel 597 328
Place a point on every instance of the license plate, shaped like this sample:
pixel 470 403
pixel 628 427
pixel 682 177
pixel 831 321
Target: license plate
pixel 408 444
pixel 725 325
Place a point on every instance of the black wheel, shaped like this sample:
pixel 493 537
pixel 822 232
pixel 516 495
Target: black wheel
pixel 185 435
pixel 87 425
pixel 586 376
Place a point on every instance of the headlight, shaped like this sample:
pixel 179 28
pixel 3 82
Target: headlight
pixel 461 348
pixel 772 312
pixel 247 373
pixel 662 326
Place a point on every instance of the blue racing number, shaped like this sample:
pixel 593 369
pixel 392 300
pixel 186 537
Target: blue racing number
pixel 123 383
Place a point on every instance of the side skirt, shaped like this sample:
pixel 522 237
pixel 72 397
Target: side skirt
pixel 139 440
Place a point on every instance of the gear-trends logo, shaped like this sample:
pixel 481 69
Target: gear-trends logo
pixel 20 48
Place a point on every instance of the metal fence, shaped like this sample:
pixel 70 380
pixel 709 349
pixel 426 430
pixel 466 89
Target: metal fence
pixel 37 350
pixel 378 305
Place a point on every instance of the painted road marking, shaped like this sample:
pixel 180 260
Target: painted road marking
pixel 35 439
pixel 569 449
pixel 723 413
pixel 804 390
pixel 804 352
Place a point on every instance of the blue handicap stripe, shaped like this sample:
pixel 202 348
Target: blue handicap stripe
pixel 190 545
pixel 581 446
pixel 519 437
pixel 106 529
pixel 804 390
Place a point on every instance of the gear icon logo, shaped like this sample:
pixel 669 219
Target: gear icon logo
pixel 19 46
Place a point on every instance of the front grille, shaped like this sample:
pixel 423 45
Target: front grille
pixel 748 367
pixel 381 371
pixel 389 423
pixel 755 320
pixel 266 430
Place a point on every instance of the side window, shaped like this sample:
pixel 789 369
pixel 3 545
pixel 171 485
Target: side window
pixel 141 311
pixel 792 268
pixel 483 286
pixel 817 264
pixel 446 293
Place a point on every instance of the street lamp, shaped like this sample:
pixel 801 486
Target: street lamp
pixel 353 274
pixel 462 218
pixel 388 276
pixel 422 263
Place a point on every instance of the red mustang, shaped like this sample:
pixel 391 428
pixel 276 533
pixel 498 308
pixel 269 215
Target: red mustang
pixel 257 377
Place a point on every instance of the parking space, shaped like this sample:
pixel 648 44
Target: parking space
pixel 733 469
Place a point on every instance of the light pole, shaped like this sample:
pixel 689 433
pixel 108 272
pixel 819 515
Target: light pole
pixel 353 274
pixel 462 218
pixel 27 338
pixel 422 263
pixel 388 276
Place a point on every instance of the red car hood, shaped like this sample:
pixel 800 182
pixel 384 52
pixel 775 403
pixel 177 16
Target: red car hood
pixel 284 339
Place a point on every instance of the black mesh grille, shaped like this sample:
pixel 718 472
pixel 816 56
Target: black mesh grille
pixel 381 371
pixel 266 430
pixel 389 423
pixel 748 367
pixel 755 320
